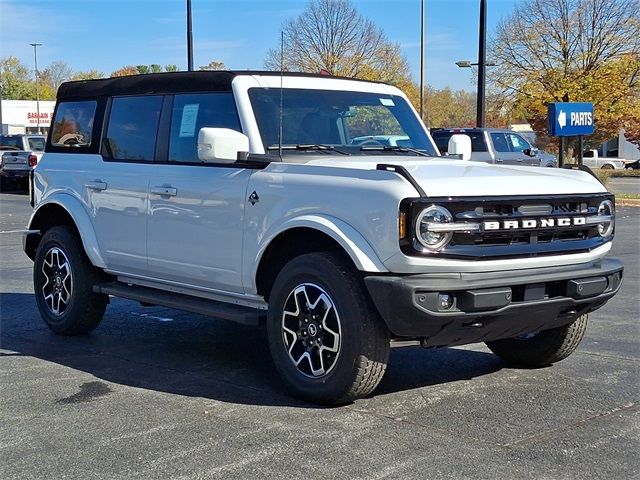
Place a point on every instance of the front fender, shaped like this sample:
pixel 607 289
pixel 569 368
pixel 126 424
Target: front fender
pixel 80 217
pixel 354 244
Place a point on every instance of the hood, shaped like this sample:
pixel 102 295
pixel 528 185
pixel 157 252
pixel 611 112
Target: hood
pixel 460 178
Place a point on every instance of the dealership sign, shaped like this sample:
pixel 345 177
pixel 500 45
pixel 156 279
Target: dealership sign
pixel 570 119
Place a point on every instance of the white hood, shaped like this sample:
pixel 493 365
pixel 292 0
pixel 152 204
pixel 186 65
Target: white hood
pixel 460 178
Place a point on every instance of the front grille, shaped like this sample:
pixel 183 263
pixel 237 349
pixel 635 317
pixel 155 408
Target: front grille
pixel 501 242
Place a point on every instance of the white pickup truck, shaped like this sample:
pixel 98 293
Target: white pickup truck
pixel 243 196
pixel 591 159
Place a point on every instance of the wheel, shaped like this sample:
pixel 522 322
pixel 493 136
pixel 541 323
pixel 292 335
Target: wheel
pixel 607 166
pixel 63 279
pixel 542 348
pixel 327 340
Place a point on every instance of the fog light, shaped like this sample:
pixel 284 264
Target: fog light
pixel 445 301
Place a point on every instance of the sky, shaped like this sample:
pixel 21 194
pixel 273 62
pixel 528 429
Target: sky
pixel 106 35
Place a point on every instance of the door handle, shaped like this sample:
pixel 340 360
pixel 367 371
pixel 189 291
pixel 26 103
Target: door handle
pixel 97 185
pixel 167 191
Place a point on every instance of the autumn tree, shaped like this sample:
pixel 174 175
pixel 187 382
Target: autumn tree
pixel 87 75
pixel 568 51
pixel 332 36
pixel 214 65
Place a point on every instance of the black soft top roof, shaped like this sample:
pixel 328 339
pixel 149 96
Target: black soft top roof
pixel 198 81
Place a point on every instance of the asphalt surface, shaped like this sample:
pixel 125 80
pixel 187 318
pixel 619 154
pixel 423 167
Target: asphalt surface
pixel 629 185
pixel 157 393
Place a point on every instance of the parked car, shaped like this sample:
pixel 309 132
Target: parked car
pixel 591 159
pixel 15 167
pixel 496 145
pixel 33 143
pixel 633 165
pixel 241 195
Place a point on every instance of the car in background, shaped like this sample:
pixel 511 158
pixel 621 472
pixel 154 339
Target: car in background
pixel 386 140
pixel 15 166
pixel 633 165
pixel 591 159
pixel 496 145
pixel 24 142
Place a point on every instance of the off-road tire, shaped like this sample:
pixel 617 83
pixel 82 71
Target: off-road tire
pixel 85 308
pixel 542 349
pixel 364 341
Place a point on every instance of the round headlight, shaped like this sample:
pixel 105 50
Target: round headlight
pixel 426 234
pixel 605 229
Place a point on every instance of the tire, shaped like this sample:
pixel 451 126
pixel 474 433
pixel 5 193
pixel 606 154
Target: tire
pixel 542 349
pixel 342 348
pixel 607 166
pixel 62 271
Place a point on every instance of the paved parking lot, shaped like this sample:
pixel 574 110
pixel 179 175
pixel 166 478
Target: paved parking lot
pixel 156 393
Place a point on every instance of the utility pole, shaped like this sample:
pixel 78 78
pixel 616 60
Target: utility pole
pixel 482 64
pixel 189 38
pixel 35 61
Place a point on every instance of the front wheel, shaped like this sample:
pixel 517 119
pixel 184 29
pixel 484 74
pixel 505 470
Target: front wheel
pixel 327 340
pixel 63 279
pixel 542 348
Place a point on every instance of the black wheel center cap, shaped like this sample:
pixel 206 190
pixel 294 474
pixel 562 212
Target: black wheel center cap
pixel 313 330
pixel 58 281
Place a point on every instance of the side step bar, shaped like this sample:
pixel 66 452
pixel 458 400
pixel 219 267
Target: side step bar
pixel 203 306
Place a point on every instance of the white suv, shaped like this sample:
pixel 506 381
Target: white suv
pixel 241 195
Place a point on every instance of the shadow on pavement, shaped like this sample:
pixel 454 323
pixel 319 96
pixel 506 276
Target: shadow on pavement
pixel 185 354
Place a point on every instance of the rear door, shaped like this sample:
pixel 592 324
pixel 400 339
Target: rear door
pixel 502 149
pixel 196 209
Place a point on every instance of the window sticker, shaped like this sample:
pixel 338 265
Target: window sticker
pixel 387 102
pixel 188 122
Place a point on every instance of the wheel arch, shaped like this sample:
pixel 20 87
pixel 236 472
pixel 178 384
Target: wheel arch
pixel 306 235
pixel 63 210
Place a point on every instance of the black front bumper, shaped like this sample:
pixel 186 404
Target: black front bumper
pixel 494 305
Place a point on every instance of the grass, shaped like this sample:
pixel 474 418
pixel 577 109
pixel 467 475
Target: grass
pixel 628 196
pixel 605 175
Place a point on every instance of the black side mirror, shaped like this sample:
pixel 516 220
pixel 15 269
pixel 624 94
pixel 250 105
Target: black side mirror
pixel 530 152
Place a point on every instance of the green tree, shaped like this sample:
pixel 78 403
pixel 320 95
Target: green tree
pixel 87 75
pixel 16 80
pixel 571 50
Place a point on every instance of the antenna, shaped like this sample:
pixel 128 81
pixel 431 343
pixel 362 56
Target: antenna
pixel 281 79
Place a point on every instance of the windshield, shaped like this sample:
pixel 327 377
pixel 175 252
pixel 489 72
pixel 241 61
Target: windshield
pixel 348 121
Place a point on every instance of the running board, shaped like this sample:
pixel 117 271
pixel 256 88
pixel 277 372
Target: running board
pixel 203 306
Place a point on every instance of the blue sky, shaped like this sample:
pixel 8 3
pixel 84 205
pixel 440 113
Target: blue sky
pixel 106 35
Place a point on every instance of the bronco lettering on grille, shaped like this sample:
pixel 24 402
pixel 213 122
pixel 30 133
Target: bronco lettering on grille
pixel 535 223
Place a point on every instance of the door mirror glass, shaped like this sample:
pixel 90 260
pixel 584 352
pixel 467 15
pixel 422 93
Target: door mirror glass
pixel 530 152
pixel 221 145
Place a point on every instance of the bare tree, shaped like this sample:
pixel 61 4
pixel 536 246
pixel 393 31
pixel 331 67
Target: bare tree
pixel 56 73
pixel 331 36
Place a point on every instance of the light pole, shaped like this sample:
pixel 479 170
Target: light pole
pixel 421 59
pixel 482 64
pixel 189 38
pixel 35 61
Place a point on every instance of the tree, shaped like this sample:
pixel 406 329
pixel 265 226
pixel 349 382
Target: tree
pixel 214 65
pixel 16 80
pixel 56 73
pixel 87 75
pixel 331 36
pixel 124 71
pixel 571 50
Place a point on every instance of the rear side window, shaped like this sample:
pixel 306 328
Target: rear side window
pixel 36 144
pixel 191 112
pixel 500 142
pixel 73 124
pixel 133 128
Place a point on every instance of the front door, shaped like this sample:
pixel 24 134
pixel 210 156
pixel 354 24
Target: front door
pixel 196 209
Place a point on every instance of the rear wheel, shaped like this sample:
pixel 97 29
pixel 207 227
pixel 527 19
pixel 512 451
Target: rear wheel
pixel 607 166
pixel 542 348
pixel 63 280
pixel 327 340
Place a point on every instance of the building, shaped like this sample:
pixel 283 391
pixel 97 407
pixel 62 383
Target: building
pixel 21 116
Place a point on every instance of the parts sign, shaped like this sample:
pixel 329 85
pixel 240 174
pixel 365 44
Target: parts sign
pixel 570 119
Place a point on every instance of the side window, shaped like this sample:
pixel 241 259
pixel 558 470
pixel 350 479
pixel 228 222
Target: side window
pixel 500 142
pixel 518 144
pixel 73 124
pixel 133 128
pixel 191 112
pixel 442 141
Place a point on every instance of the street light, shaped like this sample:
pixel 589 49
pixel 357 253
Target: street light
pixel 35 61
pixel 189 38
pixel 482 63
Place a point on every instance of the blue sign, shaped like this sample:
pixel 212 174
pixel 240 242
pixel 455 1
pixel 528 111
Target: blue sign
pixel 570 119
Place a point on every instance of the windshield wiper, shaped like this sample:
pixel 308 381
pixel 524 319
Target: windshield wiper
pixel 392 148
pixel 309 146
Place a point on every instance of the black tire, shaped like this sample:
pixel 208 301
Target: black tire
pixel 73 278
pixel 542 349
pixel 363 339
pixel 607 167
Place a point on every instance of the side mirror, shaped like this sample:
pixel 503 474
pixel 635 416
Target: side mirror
pixel 460 145
pixel 530 152
pixel 221 145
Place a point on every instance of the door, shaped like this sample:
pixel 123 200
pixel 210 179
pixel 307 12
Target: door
pixel 502 150
pixel 518 145
pixel 118 193
pixel 196 209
